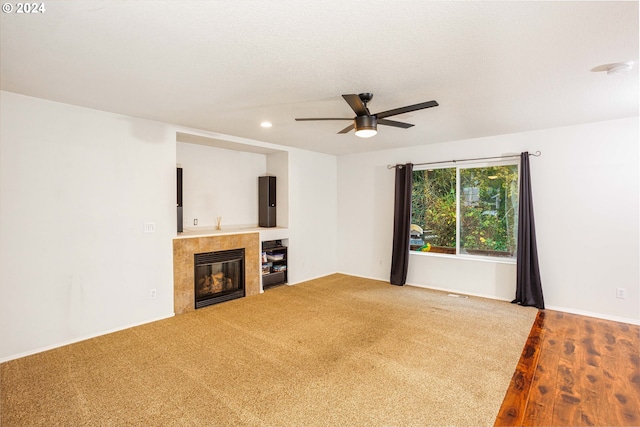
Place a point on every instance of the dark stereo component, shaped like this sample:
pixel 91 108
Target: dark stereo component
pixel 179 202
pixel 267 201
pixel 179 180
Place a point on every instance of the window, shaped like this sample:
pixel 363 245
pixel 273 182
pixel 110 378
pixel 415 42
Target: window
pixel 467 210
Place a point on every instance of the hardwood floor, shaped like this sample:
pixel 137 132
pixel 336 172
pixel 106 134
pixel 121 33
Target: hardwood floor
pixel 575 371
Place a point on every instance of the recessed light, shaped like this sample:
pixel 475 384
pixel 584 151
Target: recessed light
pixel 266 124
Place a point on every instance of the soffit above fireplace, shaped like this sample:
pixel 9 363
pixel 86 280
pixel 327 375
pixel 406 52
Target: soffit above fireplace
pixel 222 143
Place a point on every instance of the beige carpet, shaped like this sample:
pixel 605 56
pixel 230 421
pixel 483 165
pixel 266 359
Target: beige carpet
pixel 336 351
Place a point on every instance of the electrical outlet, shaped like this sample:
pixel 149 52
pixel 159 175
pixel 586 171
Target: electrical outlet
pixel 195 221
pixel 149 227
pixel 621 293
pixel 153 293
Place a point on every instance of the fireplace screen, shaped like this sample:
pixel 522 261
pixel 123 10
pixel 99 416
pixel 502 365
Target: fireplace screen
pixel 219 276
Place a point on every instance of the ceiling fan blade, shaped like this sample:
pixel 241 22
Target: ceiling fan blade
pixel 406 109
pixel 394 123
pixel 356 105
pixel 347 129
pixel 324 118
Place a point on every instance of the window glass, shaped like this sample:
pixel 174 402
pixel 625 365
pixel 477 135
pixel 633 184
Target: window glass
pixel 488 210
pixel 480 210
pixel 433 210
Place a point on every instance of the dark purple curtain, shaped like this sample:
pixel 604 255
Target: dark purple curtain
pixel 401 224
pixel 528 284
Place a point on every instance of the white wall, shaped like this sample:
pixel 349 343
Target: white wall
pixel 219 183
pixel 76 187
pixel 313 194
pixel 585 188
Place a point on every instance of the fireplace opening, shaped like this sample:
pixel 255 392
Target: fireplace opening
pixel 218 277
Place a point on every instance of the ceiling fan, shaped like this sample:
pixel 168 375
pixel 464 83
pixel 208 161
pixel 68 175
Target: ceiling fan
pixel 365 123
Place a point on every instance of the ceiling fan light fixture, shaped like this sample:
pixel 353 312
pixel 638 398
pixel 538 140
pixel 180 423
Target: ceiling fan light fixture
pixel 366 126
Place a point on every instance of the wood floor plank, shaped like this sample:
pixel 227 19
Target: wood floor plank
pixel 624 375
pixel 594 411
pixel 567 397
pixel 542 396
pixel 594 407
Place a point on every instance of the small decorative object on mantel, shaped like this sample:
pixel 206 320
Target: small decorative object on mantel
pixel 218 223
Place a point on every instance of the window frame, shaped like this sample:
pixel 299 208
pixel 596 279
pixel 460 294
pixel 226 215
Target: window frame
pixel 469 164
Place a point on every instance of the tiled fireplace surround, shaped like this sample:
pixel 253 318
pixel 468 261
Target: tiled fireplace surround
pixel 183 264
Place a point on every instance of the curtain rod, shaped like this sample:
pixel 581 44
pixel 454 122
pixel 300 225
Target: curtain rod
pixel 536 154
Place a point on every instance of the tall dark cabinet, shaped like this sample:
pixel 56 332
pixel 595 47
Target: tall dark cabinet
pixel 179 204
pixel 267 201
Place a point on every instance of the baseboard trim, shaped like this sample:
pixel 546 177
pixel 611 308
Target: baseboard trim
pixel 455 291
pixel 312 278
pixel 596 315
pixel 363 277
pixel 83 338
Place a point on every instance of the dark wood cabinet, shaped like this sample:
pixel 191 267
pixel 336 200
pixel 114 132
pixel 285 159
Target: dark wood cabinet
pixel 274 264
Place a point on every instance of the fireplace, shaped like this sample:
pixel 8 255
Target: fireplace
pixel 218 277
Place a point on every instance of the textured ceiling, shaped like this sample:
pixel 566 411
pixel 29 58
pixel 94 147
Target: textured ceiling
pixel 225 66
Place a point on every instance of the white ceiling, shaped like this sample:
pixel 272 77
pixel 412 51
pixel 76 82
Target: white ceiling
pixel 225 66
